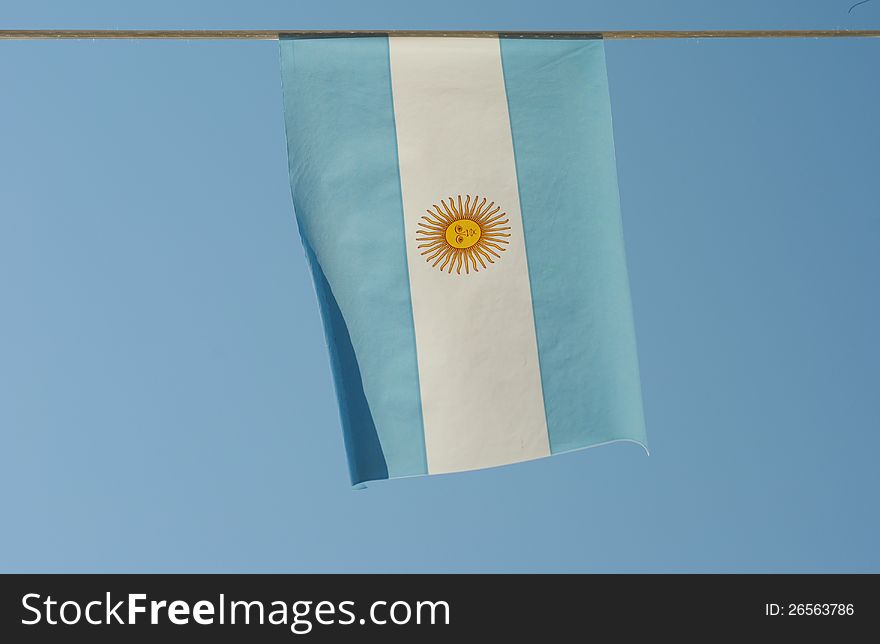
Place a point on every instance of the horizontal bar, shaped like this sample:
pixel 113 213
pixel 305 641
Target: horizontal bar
pixel 262 34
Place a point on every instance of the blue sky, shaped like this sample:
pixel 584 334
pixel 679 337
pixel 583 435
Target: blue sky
pixel 165 396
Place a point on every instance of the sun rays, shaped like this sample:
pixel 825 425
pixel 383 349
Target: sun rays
pixel 462 234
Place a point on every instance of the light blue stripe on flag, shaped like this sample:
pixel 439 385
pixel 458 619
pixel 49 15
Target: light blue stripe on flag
pixel 346 191
pixel 560 116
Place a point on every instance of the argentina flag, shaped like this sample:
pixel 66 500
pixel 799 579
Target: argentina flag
pixel 457 199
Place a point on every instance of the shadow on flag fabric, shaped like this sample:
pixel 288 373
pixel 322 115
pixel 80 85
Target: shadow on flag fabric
pixel 457 199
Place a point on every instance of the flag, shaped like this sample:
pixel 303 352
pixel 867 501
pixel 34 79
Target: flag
pixel 457 199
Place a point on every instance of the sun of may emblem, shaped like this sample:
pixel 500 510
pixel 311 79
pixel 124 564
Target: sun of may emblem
pixel 462 233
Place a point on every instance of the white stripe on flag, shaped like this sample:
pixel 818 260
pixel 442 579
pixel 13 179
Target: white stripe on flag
pixel 475 335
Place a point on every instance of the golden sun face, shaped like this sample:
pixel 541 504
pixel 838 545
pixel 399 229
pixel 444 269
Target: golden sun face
pixel 462 234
